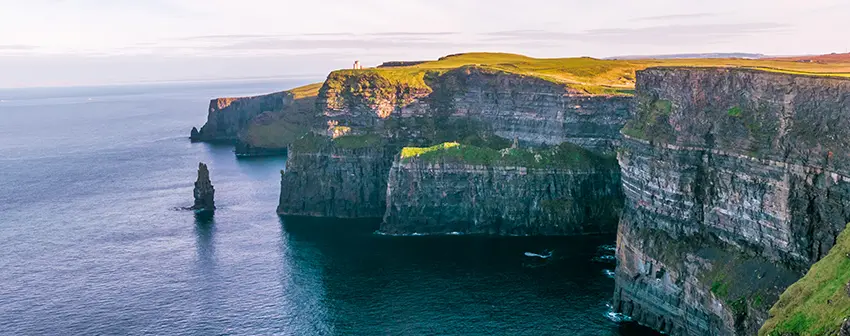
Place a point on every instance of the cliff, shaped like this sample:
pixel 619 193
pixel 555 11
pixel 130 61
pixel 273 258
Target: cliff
pixel 455 188
pixel 736 181
pixel 472 105
pixel 441 105
pixel 227 116
pixel 818 304
pixel 342 178
pixel 270 132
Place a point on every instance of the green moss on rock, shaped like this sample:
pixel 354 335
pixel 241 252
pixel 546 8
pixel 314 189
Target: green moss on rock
pixel 565 155
pixel 819 302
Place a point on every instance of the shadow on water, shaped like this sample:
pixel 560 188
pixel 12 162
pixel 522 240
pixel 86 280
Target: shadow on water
pixel 204 235
pixel 385 285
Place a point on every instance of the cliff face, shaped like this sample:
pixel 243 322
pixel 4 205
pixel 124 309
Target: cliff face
pixel 471 105
pixel 329 181
pixel 444 197
pixel 534 110
pixel 228 116
pixel 736 181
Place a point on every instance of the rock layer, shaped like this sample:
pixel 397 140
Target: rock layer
pixel 204 191
pixel 458 105
pixel 444 197
pixel 736 181
pixel 335 182
pixel 228 116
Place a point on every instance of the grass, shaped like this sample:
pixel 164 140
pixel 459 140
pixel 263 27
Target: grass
pixel 281 128
pixel 310 90
pixel 582 74
pixel 562 156
pixel 358 141
pixel 818 303
pixel 735 112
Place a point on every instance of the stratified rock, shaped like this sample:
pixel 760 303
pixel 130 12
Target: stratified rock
pixel 228 116
pixel 451 195
pixel 464 103
pixel 204 191
pixel 329 181
pixel 736 181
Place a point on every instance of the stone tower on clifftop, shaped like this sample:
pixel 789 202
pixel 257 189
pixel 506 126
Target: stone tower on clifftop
pixel 204 191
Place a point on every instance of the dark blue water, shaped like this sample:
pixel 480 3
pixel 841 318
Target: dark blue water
pixel 90 243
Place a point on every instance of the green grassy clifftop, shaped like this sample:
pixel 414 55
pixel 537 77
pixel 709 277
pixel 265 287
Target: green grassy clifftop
pixel 819 303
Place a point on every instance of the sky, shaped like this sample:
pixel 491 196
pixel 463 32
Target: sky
pixel 101 42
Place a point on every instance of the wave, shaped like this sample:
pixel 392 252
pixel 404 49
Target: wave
pixel 610 248
pixel 616 317
pixel 605 258
pixel 417 234
pixel 608 273
pixel 541 256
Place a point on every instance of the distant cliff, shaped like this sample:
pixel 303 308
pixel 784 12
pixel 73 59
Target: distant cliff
pixel 227 116
pixel 454 188
pixel 736 181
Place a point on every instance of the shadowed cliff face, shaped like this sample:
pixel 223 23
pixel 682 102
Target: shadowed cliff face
pixel 228 116
pixel 335 182
pixel 736 181
pixel 445 197
pixel 470 105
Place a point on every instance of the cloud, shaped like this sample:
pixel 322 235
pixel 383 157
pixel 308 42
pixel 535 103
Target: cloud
pixel 653 35
pixel 676 17
pixel 18 47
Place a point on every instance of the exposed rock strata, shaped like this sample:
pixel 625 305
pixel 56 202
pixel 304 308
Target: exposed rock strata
pixel 469 104
pixel 228 116
pixel 204 191
pixel 736 181
pixel 536 111
pixel 446 197
pixel 335 182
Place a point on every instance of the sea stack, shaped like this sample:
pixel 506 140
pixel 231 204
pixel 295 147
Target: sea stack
pixel 194 135
pixel 204 191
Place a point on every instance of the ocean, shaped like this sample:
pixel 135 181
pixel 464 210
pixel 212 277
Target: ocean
pixel 91 242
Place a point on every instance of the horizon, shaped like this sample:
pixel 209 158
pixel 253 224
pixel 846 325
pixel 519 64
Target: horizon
pixel 70 43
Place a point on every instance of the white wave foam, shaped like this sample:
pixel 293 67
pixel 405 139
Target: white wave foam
pixel 541 256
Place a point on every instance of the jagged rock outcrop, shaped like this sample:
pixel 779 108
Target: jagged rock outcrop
pixel 228 116
pixel 736 181
pixel 470 104
pixel 446 195
pixel 204 191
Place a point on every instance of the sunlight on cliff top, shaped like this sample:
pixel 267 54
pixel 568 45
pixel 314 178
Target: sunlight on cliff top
pixel 565 155
pixel 819 302
pixel 583 74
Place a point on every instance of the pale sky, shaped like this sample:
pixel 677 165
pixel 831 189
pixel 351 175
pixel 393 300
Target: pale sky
pixel 92 42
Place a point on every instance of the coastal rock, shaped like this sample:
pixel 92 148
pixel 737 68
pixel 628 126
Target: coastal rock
pixel 335 182
pixel 445 196
pixel 228 116
pixel 204 191
pixel 736 181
